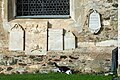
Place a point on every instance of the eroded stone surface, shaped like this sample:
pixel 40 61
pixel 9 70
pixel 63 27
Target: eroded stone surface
pixel 55 39
pixel 69 41
pixel 77 24
pixel 36 39
pixel 85 61
pixel 107 43
pixel 16 38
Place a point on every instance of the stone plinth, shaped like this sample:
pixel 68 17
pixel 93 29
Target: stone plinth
pixel 55 39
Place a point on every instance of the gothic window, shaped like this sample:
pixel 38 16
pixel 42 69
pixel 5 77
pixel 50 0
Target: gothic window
pixel 43 8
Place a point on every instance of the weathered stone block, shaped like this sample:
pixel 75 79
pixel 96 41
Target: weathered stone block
pixel 86 44
pixel 1 44
pixel 1 57
pixel 36 38
pixel 107 43
pixel 69 41
pixel 16 38
pixel 55 39
pixel 106 22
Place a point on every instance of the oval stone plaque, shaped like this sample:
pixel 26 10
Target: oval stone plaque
pixel 94 22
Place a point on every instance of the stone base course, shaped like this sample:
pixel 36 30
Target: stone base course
pixel 81 59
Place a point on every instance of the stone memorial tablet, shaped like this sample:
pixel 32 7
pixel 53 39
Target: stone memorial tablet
pixel 94 22
pixel 16 38
pixel 69 41
pixel 55 39
pixel 36 39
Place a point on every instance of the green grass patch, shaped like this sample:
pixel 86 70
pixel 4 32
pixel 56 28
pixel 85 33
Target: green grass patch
pixel 54 76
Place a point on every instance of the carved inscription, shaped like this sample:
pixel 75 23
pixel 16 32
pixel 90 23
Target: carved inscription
pixel 94 22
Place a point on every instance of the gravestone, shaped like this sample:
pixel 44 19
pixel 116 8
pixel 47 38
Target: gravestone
pixel 94 22
pixel 119 55
pixel 55 39
pixel 69 41
pixel 16 38
pixel 36 38
pixel 114 60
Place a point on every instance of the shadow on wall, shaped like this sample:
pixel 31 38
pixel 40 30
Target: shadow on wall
pixel 49 25
pixel 114 65
pixel 11 10
pixel 101 29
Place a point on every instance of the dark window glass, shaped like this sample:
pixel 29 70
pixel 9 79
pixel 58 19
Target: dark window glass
pixel 42 7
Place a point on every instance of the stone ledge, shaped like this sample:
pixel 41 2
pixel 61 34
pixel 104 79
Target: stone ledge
pixel 107 43
pixel 86 44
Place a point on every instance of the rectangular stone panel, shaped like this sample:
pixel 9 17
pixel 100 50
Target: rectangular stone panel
pixel 55 39
pixel 69 41
pixel 36 38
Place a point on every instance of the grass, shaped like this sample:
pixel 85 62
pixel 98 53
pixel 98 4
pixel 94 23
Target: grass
pixel 54 76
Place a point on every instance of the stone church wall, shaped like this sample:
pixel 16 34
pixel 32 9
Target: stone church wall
pixel 90 48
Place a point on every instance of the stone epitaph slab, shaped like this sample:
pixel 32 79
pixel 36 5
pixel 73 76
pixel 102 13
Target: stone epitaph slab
pixel 16 38
pixel 36 38
pixel 69 41
pixel 55 39
pixel 94 22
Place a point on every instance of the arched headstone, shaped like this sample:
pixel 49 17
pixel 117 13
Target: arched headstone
pixel 69 41
pixel 16 38
pixel 94 22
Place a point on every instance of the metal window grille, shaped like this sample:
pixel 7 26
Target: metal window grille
pixel 42 7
